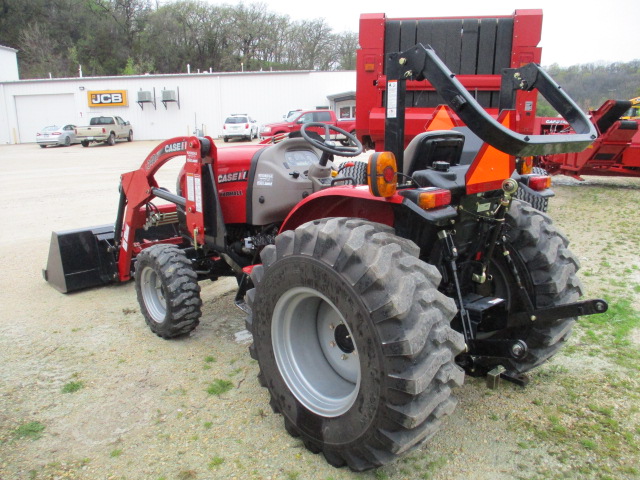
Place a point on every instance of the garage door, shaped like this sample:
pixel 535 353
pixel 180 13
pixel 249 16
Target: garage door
pixel 37 111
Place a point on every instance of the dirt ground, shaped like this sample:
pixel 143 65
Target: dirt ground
pixel 142 410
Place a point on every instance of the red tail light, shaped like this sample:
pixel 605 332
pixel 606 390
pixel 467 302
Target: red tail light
pixel 540 182
pixel 246 126
pixel 37 134
pixel 224 127
pixel 437 197
pixel 56 133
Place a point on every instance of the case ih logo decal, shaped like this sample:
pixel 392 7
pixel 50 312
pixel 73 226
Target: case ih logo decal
pixel 171 148
pixel 233 177
pixel 107 98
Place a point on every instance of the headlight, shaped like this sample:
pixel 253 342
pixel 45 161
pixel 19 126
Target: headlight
pixel 266 129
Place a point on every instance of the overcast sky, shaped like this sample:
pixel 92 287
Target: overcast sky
pixel 573 32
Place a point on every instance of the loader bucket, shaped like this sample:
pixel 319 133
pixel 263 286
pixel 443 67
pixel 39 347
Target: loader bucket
pixel 81 259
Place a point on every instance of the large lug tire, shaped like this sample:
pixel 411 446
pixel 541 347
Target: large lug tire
pixel 548 269
pixel 536 201
pixel 358 172
pixel 111 141
pixel 168 291
pixel 353 340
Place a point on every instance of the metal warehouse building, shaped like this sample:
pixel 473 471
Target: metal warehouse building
pixel 163 106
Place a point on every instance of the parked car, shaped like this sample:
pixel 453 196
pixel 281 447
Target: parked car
pixel 105 129
pixel 239 126
pixel 297 118
pixel 55 135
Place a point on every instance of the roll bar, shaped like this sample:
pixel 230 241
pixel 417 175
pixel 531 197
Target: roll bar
pixel 420 63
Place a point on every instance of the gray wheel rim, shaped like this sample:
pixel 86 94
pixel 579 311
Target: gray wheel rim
pixel 153 295
pixel 310 340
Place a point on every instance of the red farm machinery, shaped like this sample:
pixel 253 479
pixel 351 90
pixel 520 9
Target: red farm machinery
pixel 368 295
pixel 482 51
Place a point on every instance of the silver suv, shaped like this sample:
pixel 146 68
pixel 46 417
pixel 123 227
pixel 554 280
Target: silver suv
pixel 239 125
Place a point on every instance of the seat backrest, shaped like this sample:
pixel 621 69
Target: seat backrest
pixel 435 146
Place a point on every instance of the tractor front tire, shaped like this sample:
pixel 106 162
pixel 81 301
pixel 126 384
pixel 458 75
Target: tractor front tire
pixel 358 172
pixel 353 340
pixel 168 291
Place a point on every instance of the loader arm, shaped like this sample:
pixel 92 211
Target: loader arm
pixel 139 187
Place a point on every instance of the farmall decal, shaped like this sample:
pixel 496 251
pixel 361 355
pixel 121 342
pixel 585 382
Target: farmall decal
pixel 107 98
pixel 240 176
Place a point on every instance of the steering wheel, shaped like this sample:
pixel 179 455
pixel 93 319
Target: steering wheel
pixel 327 145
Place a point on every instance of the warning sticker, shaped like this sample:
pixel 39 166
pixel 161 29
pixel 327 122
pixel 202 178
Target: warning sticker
pixel 265 179
pixel 197 183
pixel 190 187
pixel 125 235
pixel 392 99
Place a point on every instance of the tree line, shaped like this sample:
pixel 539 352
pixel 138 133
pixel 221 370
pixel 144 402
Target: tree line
pixel 591 84
pixel 127 37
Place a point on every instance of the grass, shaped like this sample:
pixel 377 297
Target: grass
pixel 32 430
pixel 608 334
pixel 218 387
pixel 115 453
pixel 215 462
pixel 72 387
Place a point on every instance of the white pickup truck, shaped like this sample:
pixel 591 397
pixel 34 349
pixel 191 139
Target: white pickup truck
pixel 104 129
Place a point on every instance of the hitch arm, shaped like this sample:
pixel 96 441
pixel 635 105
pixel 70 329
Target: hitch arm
pixel 549 314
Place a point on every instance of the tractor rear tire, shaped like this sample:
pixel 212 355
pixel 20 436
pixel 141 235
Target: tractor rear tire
pixel 538 202
pixel 353 340
pixel 168 291
pixel 548 269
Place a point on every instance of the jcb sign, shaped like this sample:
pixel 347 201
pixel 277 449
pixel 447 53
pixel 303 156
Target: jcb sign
pixel 108 98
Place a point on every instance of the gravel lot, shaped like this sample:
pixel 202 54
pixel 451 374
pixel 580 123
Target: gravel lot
pixel 141 409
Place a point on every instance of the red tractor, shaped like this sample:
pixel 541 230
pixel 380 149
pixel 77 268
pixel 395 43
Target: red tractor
pixel 367 303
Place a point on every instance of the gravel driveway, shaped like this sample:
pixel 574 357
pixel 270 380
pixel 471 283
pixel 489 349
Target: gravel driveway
pixel 88 392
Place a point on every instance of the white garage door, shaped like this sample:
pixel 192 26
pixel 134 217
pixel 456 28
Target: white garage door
pixel 37 111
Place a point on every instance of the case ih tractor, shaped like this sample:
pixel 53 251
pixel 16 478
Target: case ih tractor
pixel 367 303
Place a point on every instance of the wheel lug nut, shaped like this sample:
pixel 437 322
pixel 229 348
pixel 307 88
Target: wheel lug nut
pixel 344 356
pixel 332 344
pixel 332 326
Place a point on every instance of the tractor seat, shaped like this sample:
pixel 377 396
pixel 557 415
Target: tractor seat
pixel 435 146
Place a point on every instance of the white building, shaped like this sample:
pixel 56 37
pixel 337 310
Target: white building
pixel 195 100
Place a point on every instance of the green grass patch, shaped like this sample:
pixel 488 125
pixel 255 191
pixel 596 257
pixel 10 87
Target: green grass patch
pixel 215 462
pixel 218 387
pixel 608 334
pixel 32 430
pixel 72 387
pixel 115 453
